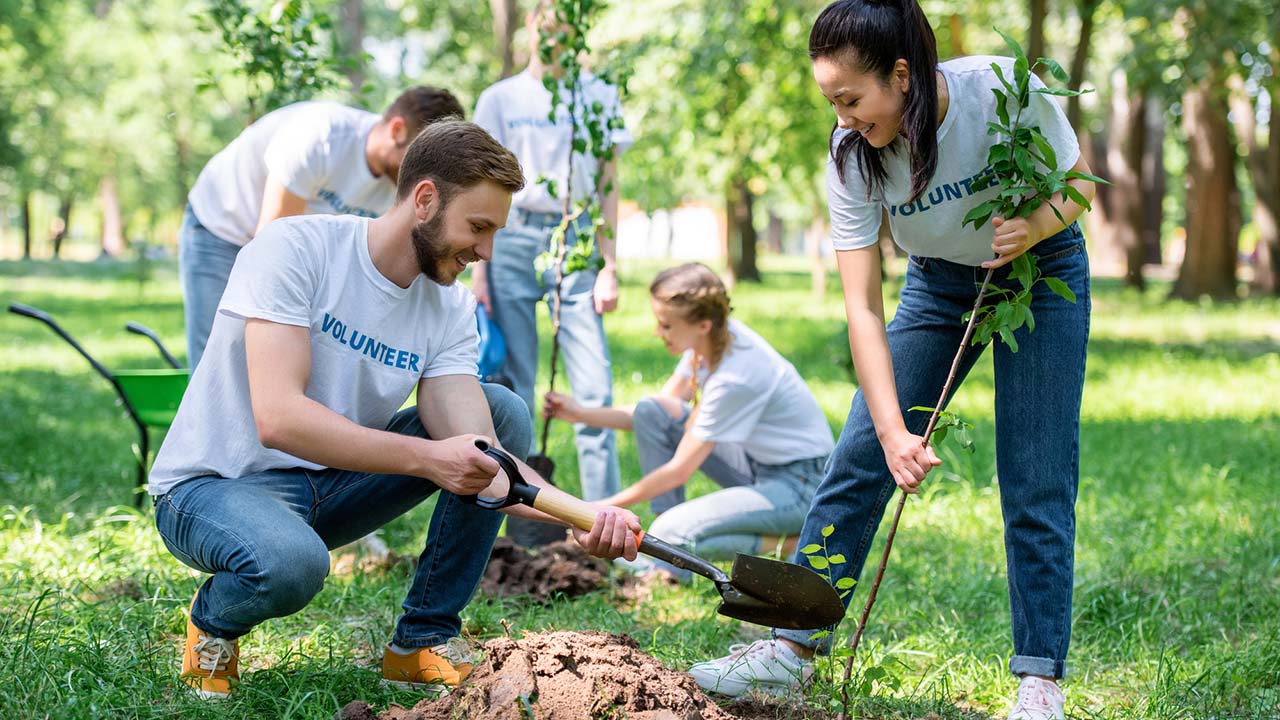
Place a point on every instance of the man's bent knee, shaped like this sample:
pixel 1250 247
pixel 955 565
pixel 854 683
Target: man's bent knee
pixel 511 419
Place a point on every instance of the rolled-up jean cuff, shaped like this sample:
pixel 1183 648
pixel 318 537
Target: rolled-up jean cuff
pixel 820 646
pixel 1028 665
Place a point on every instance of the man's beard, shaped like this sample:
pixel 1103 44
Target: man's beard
pixel 431 249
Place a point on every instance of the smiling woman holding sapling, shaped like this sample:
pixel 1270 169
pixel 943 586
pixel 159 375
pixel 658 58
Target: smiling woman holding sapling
pixel 911 138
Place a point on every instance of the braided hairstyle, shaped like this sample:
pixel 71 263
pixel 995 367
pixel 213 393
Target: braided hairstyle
pixel 871 36
pixel 696 293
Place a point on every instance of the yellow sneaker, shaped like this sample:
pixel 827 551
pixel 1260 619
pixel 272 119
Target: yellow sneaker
pixel 436 669
pixel 210 665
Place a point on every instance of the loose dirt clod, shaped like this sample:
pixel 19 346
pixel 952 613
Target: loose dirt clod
pixel 563 676
pixel 559 568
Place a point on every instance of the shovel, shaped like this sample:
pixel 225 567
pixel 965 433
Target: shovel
pixel 760 591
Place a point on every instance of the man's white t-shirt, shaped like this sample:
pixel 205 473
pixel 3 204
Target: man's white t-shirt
pixel 516 111
pixel 315 149
pixel 756 399
pixel 371 342
pixel 931 226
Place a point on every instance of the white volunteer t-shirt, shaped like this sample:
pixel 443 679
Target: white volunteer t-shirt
pixel 757 400
pixel 316 149
pixel 931 225
pixel 516 112
pixel 371 342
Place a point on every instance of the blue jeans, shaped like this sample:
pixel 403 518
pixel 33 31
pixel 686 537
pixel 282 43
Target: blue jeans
pixel 266 537
pixel 1037 397
pixel 515 291
pixel 204 265
pixel 757 499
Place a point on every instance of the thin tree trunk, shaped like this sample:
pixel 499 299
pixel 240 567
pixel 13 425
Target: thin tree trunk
pixel 1088 9
pixel 504 29
pixel 955 28
pixel 773 234
pixel 112 218
pixel 1124 160
pixel 1035 33
pixel 63 226
pixel 1154 181
pixel 1263 163
pixel 353 43
pixel 26 225
pixel 742 232
pixel 1213 225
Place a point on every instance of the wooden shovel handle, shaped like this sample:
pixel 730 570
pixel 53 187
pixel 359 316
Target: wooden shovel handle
pixel 570 509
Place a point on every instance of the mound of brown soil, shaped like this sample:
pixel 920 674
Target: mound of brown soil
pixel 562 676
pixel 558 568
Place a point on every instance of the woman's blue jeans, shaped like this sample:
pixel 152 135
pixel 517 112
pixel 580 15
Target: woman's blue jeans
pixel 266 537
pixel 1037 397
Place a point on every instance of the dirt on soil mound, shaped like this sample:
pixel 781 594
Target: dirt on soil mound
pixel 561 567
pixel 562 676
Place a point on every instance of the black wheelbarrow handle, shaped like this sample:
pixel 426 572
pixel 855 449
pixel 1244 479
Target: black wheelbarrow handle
pixel 20 309
pixel 138 328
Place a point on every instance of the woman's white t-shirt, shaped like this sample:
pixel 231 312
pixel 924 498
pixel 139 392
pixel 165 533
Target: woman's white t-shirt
pixel 756 399
pixel 931 226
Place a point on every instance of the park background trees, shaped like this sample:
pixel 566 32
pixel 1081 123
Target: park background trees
pixel 109 109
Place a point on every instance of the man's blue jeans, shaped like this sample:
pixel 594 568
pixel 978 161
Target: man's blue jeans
pixel 1037 397
pixel 204 266
pixel 266 537
pixel 515 291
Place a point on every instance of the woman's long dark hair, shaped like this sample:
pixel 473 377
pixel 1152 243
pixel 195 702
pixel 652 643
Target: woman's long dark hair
pixel 870 36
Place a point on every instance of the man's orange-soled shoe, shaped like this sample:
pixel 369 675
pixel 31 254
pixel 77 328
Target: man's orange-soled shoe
pixel 210 665
pixel 435 669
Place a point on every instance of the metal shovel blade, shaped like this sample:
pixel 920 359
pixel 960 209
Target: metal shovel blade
pixel 543 465
pixel 779 594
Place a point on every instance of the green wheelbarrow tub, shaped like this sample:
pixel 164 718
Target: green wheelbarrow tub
pixel 154 394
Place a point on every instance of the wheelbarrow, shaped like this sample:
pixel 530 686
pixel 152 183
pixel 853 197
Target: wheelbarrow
pixel 150 397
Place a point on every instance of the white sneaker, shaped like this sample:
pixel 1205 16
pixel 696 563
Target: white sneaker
pixel 1038 699
pixel 765 665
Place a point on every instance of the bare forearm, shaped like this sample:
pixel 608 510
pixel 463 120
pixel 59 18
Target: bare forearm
pixel 308 430
pixel 667 477
pixel 614 418
pixel 1046 222
pixel 609 207
pixel 873 363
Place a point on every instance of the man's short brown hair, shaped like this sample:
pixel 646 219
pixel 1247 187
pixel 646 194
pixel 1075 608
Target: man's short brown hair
pixel 457 155
pixel 420 106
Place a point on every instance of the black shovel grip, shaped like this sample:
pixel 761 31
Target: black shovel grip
pixel 520 492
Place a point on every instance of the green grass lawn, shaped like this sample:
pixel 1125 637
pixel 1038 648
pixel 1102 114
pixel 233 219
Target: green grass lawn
pixel 1177 600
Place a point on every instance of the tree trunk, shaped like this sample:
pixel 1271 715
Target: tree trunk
pixel 26 225
pixel 1263 162
pixel 740 233
pixel 62 225
pixel 353 43
pixel 1088 9
pixel 504 29
pixel 1154 181
pixel 1213 212
pixel 1035 34
pixel 1124 161
pixel 773 234
pixel 955 28
pixel 112 218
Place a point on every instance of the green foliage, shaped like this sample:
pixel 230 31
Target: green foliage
pixel 950 424
pixel 279 51
pixel 1025 168
pixel 562 49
